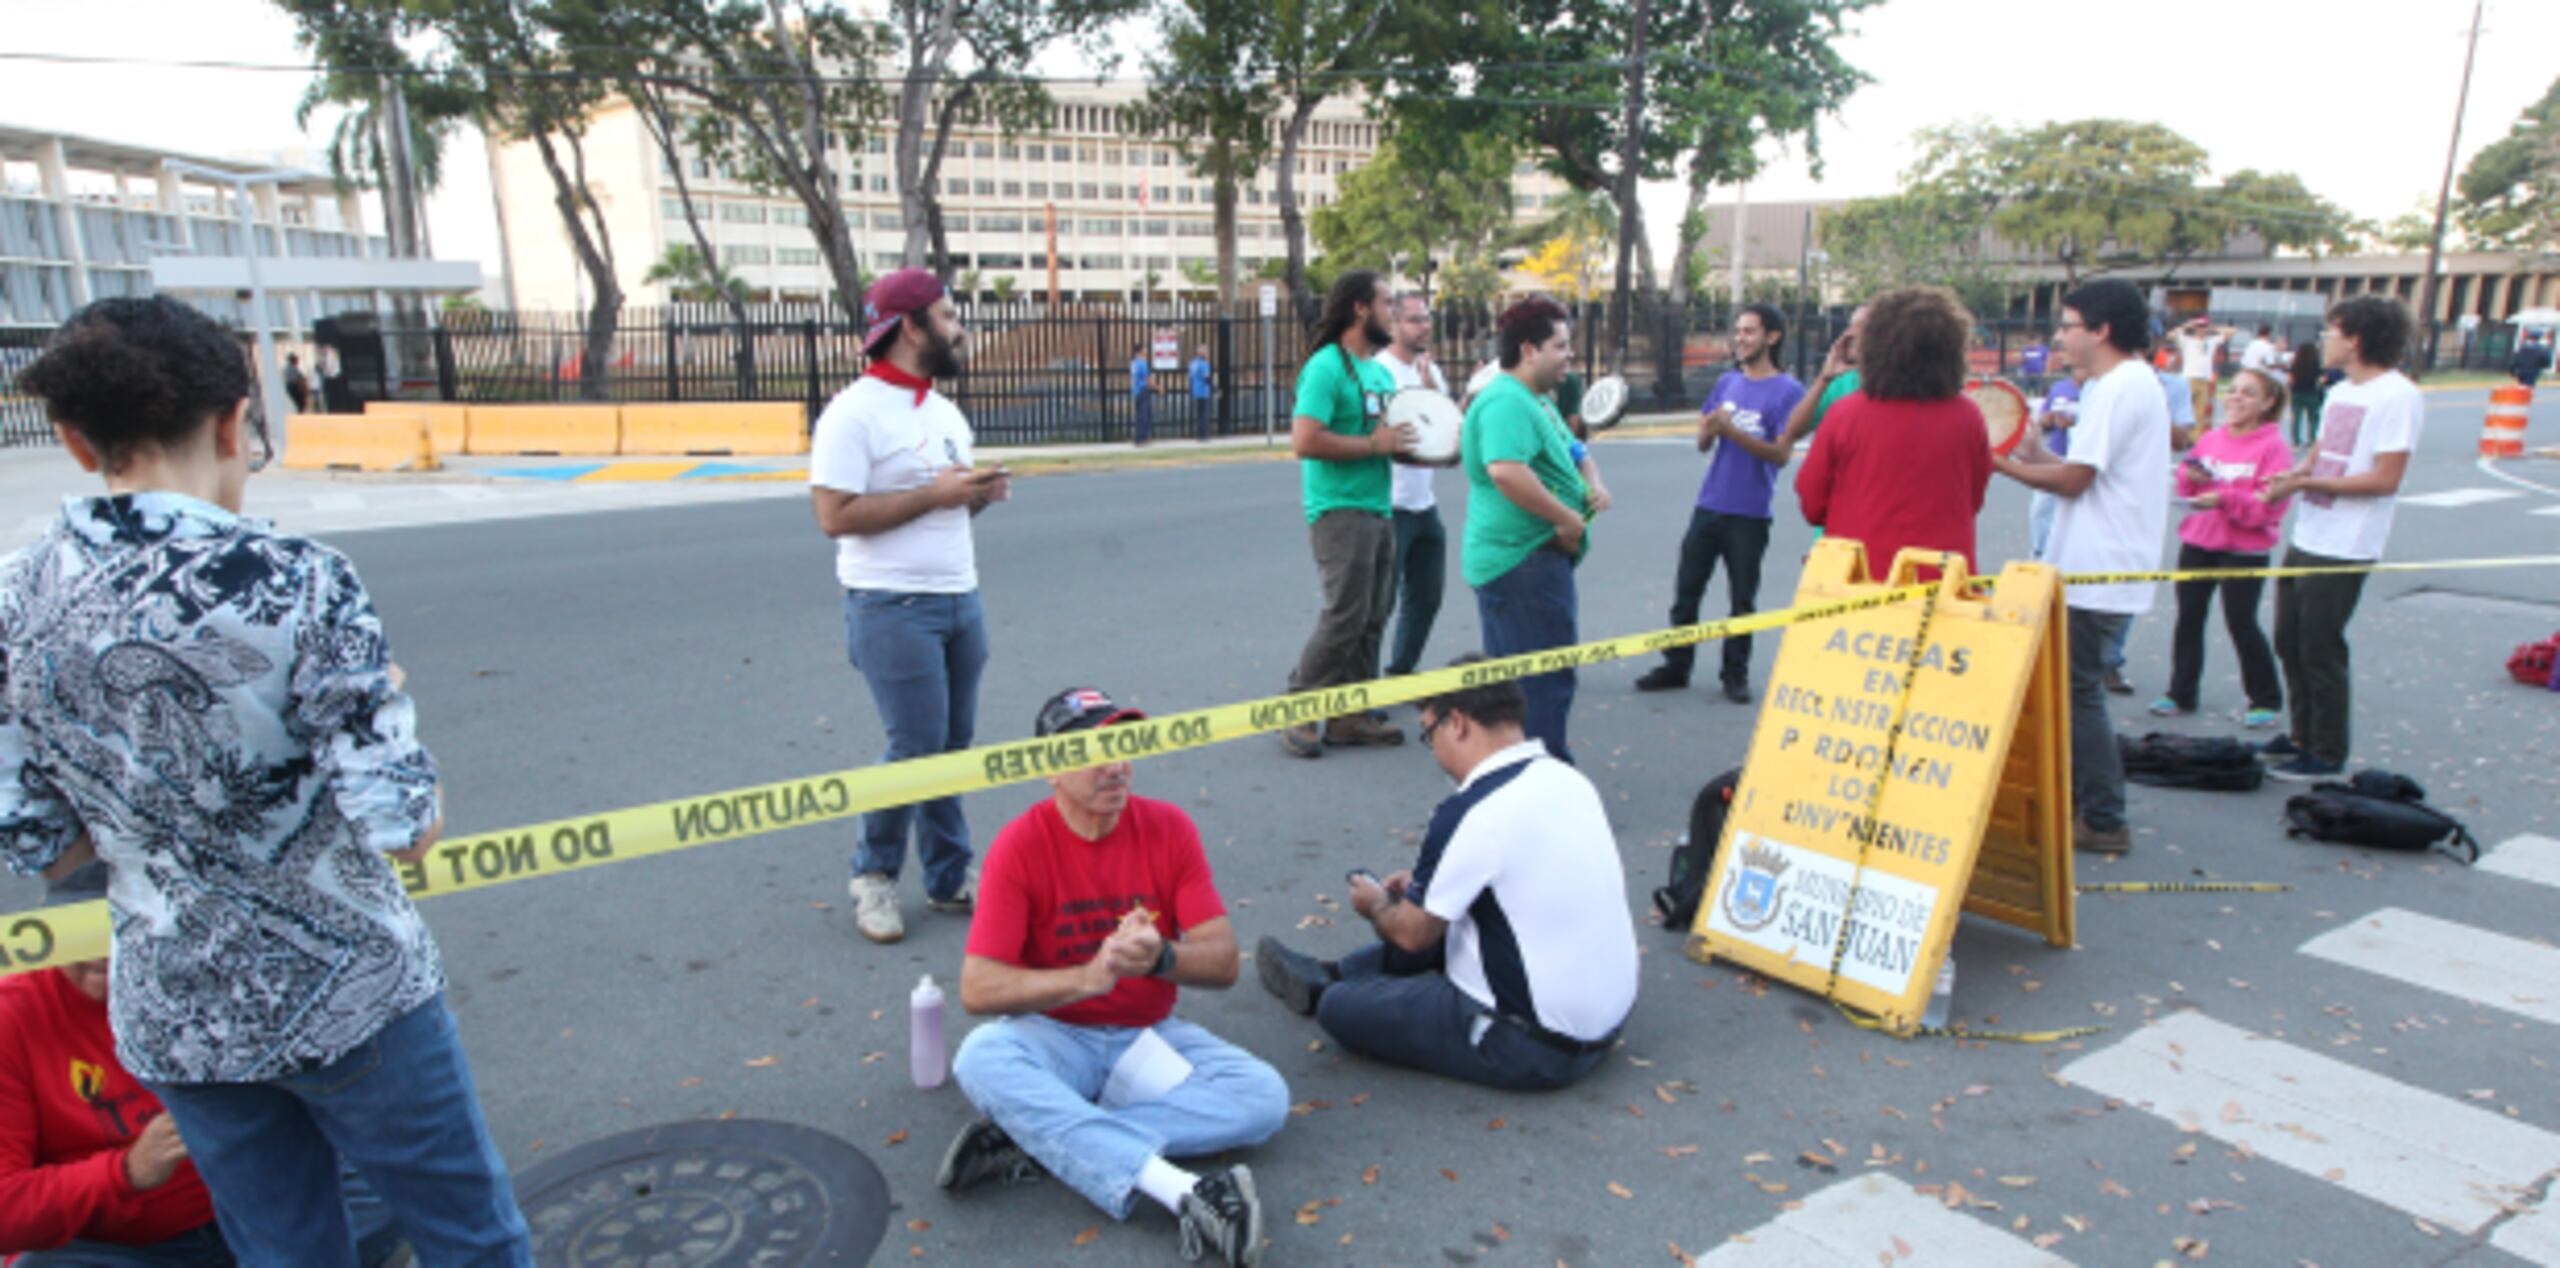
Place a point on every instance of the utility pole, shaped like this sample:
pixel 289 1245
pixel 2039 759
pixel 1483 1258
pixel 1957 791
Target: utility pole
pixel 2444 195
pixel 1630 159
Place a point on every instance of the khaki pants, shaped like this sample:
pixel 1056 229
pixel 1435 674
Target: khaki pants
pixel 1356 560
pixel 2200 391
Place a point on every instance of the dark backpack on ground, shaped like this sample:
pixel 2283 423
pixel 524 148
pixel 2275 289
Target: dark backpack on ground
pixel 1694 858
pixel 2211 763
pixel 2380 810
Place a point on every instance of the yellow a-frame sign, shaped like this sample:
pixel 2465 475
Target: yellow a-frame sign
pixel 1911 760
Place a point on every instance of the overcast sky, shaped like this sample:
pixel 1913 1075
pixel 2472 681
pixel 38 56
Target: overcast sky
pixel 2355 96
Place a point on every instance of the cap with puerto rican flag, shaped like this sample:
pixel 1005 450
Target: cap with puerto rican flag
pixel 1078 709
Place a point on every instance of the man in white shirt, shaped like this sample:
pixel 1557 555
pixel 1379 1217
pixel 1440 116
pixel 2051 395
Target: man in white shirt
pixel 891 479
pixel 1422 545
pixel 2114 513
pixel 2262 353
pixel 2199 342
pixel 2350 484
pixel 1506 955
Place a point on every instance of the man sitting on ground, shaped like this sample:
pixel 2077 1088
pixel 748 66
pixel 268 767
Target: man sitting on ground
pixel 1093 907
pixel 1506 956
pixel 92 1170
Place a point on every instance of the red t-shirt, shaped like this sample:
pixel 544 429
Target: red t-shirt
pixel 1047 898
pixel 67 1112
pixel 1890 474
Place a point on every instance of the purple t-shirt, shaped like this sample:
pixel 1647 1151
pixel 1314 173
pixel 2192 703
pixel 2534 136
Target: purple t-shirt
pixel 1737 483
pixel 2062 398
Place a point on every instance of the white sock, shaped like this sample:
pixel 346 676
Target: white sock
pixel 1166 1183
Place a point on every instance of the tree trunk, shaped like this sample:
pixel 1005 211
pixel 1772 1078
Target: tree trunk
pixel 929 53
pixel 1293 222
pixel 660 122
pixel 1630 165
pixel 594 246
pixel 1222 197
pixel 946 114
pixel 1693 229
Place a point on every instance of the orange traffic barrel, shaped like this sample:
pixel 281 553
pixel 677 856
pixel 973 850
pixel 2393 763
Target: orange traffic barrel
pixel 2502 432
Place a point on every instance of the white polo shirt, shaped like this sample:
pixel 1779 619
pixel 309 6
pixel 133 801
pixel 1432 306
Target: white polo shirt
pixel 1412 489
pixel 876 437
pixel 2118 523
pixel 1523 865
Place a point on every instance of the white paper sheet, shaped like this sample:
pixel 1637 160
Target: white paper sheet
pixel 1148 1070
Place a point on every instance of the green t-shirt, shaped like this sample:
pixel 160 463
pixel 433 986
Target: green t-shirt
pixel 1831 395
pixel 1329 393
pixel 1509 423
pixel 1569 396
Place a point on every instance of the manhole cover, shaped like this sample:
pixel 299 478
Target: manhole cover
pixel 706 1195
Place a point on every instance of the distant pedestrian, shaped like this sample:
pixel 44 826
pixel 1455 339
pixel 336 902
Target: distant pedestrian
pixel 2230 527
pixel 1139 373
pixel 1203 383
pixel 2054 416
pixel 2200 344
pixel 2350 485
pixel 1904 461
pixel 2031 361
pixel 2308 384
pixel 891 480
pixel 297 385
pixel 2261 354
pixel 1422 542
pixel 2531 359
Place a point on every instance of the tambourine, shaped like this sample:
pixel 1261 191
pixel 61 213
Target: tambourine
pixel 1482 378
pixel 1602 404
pixel 2004 412
pixel 1435 421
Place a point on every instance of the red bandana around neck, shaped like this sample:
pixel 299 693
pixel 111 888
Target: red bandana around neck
pixel 889 373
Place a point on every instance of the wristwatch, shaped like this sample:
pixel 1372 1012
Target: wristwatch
pixel 1164 962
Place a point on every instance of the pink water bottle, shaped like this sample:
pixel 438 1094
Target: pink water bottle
pixel 925 1059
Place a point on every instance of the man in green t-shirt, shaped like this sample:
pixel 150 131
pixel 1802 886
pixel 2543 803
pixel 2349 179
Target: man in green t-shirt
pixel 1568 395
pixel 1337 430
pixel 1528 502
pixel 1838 379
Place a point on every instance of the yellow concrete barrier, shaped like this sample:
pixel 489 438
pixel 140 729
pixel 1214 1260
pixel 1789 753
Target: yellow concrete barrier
pixel 716 427
pixel 543 429
pixel 359 442
pixel 444 420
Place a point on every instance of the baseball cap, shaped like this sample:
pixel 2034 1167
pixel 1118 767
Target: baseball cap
pixel 85 885
pixel 893 299
pixel 1079 709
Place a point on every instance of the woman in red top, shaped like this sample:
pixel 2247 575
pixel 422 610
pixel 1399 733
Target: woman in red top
pixel 1903 461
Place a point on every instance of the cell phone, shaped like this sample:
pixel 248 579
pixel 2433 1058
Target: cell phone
pixel 984 474
pixel 1359 874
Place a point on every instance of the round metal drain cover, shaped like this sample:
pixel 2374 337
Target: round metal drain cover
pixel 706 1195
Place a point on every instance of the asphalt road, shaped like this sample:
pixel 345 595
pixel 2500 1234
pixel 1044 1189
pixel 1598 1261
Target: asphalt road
pixel 581 663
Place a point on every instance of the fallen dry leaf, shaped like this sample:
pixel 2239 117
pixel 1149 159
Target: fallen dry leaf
pixel 898 1137
pixel 2019 1182
pixel 1679 1151
pixel 1497 1124
pixel 1311 1214
pixel 1370 1176
pixel 764 1063
pixel 2191 1247
pixel 1621 1190
pixel 695 1081
pixel 1088 1237
pixel 1501 1234
pixel 919 1226
pixel 1448 1175
pixel 1681 1257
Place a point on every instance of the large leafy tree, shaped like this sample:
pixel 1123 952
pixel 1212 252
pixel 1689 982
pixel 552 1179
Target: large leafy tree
pixel 1439 214
pixel 1317 50
pixel 1208 91
pixel 393 122
pixel 2511 189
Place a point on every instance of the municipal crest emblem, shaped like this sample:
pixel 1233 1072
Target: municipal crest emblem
pixel 1754 891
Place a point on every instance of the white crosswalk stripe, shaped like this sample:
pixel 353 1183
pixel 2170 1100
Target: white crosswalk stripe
pixel 2532 1236
pixel 2486 968
pixel 1877 1219
pixel 2427 1155
pixel 2460 497
pixel 2526 858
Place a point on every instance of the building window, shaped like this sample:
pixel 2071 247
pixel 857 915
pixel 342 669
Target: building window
pixel 852 218
pixel 1164 158
pixel 1155 228
pixel 889 220
pixel 875 145
pixel 1101 228
pixel 1009 150
pixel 1113 192
pixel 1036 153
pixel 791 215
pixel 1039 189
pixel 672 208
pixel 1084 153
pixel 1182 194
pixel 999 260
pixel 1013 189
pixel 745 255
pixel 1193 229
pixel 742 213
pixel 1248 231
pixel 1090 192
pixel 1097 261
pixel 998 224
pixel 1163 194
pixel 1253 196
pixel 954 185
pixel 879 184
pixel 982 149
pixel 1112 156
pixel 986 189
pixel 795 255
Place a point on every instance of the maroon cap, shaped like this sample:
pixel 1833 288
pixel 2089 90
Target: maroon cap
pixel 893 299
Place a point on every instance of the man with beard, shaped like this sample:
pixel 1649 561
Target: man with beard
pixel 891 480
pixel 1338 431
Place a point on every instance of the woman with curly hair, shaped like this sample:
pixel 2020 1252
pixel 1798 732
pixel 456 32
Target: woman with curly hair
pixel 1903 462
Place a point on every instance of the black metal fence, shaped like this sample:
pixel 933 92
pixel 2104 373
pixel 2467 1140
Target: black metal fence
pixel 22 420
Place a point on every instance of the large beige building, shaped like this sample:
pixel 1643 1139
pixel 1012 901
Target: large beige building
pixel 1129 215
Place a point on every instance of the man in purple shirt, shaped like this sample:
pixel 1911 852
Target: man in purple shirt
pixel 1741 425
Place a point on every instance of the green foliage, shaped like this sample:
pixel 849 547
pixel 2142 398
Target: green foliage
pixel 1006 288
pixel 696 278
pixel 1920 237
pixel 1440 215
pixel 1210 96
pixel 2510 191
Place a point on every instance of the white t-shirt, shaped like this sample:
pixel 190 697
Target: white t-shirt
pixel 1412 490
pixel 1529 876
pixel 874 437
pixel 2195 355
pixel 2118 523
pixel 2360 422
pixel 2259 355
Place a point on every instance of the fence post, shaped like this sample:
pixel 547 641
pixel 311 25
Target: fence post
pixel 448 385
pixel 1102 371
pixel 675 381
pixel 809 346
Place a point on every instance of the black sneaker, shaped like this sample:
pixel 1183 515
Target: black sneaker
pixel 2116 683
pixel 982 1152
pixel 1737 692
pixel 1662 678
pixel 1222 1212
pixel 2306 768
pixel 2280 749
pixel 1295 977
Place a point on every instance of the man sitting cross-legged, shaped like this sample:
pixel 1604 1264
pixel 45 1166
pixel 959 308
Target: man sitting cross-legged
pixel 1094 906
pixel 1507 956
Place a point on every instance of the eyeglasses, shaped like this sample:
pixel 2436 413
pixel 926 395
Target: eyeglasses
pixel 1431 727
pixel 2072 325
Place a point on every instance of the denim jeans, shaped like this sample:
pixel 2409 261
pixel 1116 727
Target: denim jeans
pixel 2113 659
pixel 1422 574
pixel 2311 639
pixel 1199 418
pixel 1529 609
pixel 1038 1079
pixel 921 655
pixel 1739 542
pixel 400 1110
pixel 2042 507
pixel 1146 429
pixel 2097 767
pixel 1400 1007
pixel 377 1240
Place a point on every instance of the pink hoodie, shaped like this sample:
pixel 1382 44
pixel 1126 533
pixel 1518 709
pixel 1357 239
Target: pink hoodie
pixel 2241 465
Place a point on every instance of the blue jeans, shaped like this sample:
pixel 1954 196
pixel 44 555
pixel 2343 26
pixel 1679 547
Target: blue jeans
pixel 1530 609
pixel 2042 507
pixel 1422 574
pixel 400 1109
pixel 1146 417
pixel 921 654
pixel 2097 766
pixel 1037 1078
pixel 377 1240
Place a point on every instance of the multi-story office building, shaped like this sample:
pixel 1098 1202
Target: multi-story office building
pixel 1130 217
pixel 83 219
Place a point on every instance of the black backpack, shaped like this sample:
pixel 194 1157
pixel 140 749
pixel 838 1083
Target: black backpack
pixel 2381 810
pixel 2211 763
pixel 1694 858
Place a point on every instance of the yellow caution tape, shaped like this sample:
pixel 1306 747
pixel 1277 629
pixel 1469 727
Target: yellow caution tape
pixel 2184 887
pixel 2323 570
pixel 80 931
pixel 1864 1022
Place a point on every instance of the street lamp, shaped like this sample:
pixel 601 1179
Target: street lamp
pixel 271 397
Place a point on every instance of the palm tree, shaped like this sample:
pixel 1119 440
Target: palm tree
pixel 693 277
